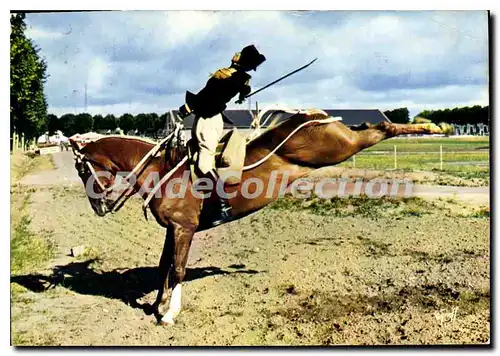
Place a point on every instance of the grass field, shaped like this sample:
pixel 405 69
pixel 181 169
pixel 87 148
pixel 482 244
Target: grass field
pixel 432 144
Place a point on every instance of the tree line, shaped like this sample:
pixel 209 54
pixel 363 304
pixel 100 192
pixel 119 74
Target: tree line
pixel 148 123
pixel 151 123
pixel 458 116
pixel 28 105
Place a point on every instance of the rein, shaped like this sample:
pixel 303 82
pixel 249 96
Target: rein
pixel 319 121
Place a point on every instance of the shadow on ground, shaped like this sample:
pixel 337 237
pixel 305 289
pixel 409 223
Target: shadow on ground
pixel 127 285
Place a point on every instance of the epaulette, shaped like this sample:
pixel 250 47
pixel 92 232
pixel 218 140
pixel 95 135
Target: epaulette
pixel 224 73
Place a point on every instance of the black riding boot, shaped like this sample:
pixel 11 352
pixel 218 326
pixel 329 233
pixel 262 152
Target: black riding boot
pixel 224 214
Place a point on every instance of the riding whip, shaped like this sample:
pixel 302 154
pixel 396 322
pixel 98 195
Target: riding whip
pixel 281 78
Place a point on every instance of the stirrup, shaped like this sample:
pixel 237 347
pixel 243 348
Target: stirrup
pixel 225 215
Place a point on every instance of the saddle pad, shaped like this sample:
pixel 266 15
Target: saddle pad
pixel 231 159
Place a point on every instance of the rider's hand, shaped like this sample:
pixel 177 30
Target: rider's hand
pixel 241 100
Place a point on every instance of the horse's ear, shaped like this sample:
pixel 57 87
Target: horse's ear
pixel 76 146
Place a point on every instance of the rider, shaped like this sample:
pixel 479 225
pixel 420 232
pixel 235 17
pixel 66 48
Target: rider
pixel 209 104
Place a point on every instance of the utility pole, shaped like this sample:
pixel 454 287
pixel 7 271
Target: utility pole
pixel 75 91
pixel 85 100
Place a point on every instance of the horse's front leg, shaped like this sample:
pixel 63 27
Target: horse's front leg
pixel 183 237
pixel 165 270
pixel 182 217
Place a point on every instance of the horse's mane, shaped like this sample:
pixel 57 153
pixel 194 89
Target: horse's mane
pixel 138 138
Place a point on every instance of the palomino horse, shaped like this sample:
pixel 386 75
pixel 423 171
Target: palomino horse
pixel 311 147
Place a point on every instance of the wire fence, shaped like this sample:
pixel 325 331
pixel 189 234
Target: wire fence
pixel 439 159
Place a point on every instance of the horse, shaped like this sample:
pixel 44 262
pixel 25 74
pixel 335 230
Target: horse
pixel 311 147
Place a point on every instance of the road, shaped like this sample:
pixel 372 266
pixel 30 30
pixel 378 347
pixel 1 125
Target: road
pixel 63 174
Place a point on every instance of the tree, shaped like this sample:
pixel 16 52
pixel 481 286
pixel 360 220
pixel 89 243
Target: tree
pixel 98 121
pixel 127 122
pixel 67 124
pixel 109 122
pixel 83 123
pixel 28 106
pixel 148 123
pixel 153 121
pixel 52 124
pixel 141 122
pixel 398 116
pixel 161 123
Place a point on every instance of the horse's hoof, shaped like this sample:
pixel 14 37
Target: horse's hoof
pixel 166 320
pixel 446 128
pixel 164 323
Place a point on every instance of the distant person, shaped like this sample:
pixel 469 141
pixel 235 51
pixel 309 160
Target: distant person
pixel 210 102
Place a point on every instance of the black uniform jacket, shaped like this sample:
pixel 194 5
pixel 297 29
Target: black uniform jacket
pixel 222 86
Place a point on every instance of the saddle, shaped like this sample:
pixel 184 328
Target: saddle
pixel 229 158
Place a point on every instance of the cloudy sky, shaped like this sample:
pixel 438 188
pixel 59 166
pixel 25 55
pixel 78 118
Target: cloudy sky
pixel 145 61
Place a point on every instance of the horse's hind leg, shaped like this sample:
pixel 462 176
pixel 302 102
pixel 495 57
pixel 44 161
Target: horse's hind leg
pixel 183 238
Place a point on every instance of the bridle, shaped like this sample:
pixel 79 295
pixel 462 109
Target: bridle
pixel 87 168
pixel 82 159
pixel 87 162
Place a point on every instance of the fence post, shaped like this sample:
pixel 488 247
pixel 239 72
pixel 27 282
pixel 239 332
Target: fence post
pixel 441 157
pixel 14 142
pixel 395 158
pixel 354 161
pixel 22 143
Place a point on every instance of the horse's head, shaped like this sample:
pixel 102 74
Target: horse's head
pixel 97 173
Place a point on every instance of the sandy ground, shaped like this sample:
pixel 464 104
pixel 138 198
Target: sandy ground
pixel 64 174
pixel 272 278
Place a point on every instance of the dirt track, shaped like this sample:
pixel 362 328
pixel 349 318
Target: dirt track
pixel 273 278
pixel 64 174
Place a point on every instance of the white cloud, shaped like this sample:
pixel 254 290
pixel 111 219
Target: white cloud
pixel 144 61
pixel 184 25
pixel 40 34
pixel 98 74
